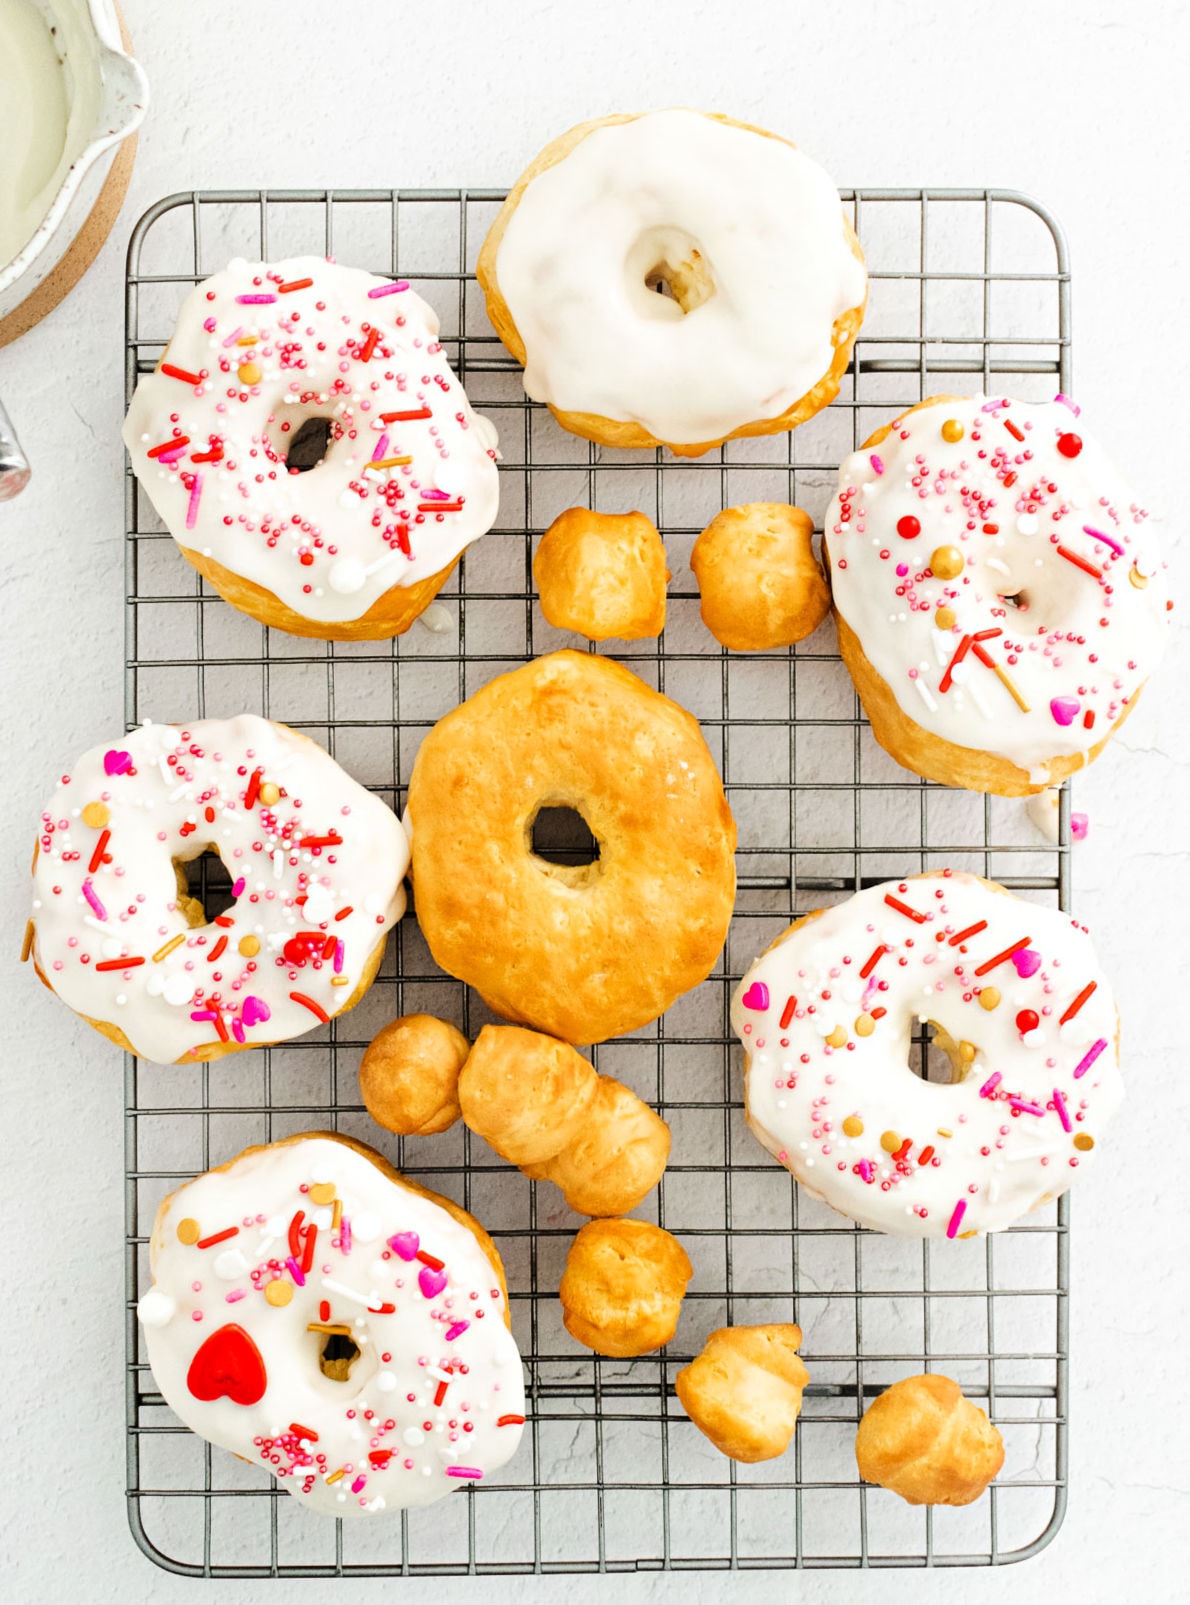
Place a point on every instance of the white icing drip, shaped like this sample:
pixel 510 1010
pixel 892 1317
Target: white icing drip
pixel 414 1337
pixel 867 1078
pixel 1062 659
pixel 767 223
pixel 335 502
pixel 138 893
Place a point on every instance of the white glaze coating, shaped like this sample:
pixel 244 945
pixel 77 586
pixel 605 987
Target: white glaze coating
pixel 362 529
pixel 107 890
pixel 422 1333
pixel 576 252
pixel 918 1158
pixel 1085 641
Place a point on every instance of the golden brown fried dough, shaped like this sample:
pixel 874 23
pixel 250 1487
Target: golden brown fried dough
pixel 409 1074
pixel 760 583
pixel 582 951
pixel 602 574
pixel 744 1390
pixel 541 1106
pixel 923 1440
pixel 623 1286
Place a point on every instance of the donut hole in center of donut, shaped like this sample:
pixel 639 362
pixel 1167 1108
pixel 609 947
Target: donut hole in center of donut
pixel 338 1353
pixel 302 437
pixel 671 270
pixel 936 1056
pixel 204 886
pixel 1018 601
pixel 563 844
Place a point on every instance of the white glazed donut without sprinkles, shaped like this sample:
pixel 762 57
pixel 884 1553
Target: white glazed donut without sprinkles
pixel 316 864
pixel 1000 593
pixel 323 1318
pixel 268 366
pixel 1020 1006
pixel 765 277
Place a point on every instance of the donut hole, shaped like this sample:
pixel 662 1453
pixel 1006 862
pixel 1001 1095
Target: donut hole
pixel 1018 600
pixel 668 274
pixel 563 844
pixel 337 1354
pixel 302 437
pixel 938 1058
pixel 204 886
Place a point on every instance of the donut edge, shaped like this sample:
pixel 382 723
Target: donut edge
pixel 456 1212
pixel 626 434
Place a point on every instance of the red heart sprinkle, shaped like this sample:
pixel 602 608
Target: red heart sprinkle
pixel 228 1364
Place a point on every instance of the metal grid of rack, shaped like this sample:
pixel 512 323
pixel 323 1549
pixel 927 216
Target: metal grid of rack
pixel 969 289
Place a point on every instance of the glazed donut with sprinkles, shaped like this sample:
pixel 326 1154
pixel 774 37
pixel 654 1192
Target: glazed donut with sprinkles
pixel 316 865
pixel 310 450
pixel 326 1319
pixel 999 591
pixel 1018 1004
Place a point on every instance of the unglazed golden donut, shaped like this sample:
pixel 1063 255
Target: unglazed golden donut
pixel 924 1441
pixel 602 574
pixel 623 1287
pixel 759 580
pixel 761 277
pixel 582 952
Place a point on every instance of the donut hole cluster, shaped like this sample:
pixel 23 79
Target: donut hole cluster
pixel 204 885
pixel 560 838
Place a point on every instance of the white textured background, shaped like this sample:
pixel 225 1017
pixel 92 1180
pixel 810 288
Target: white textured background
pixel 1083 106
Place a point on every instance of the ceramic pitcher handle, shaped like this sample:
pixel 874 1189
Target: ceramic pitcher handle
pixel 14 465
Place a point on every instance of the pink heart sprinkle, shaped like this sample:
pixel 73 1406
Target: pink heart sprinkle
pixel 756 997
pixel 431 1281
pixel 116 762
pixel 406 1244
pixel 1064 709
pixel 1079 825
pixel 1027 961
pixel 255 1011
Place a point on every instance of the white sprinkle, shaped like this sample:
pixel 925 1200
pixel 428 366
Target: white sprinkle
pixel 278 863
pixel 925 694
pixel 366 1299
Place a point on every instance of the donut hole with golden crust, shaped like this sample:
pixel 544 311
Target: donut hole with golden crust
pixel 623 1286
pixel 924 1441
pixel 409 1075
pixel 760 583
pixel 589 951
pixel 602 574
pixel 744 1390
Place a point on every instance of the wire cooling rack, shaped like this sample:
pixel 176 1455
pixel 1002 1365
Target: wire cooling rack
pixel 969 289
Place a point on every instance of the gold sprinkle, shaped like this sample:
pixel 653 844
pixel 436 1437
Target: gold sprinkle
pixel 96 814
pixel 952 430
pixel 336 1329
pixel 890 1142
pixel 189 1231
pixel 942 1132
pixel 247 340
pixel 340 980
pixel 989 998
pixel 1084 1142
pixel 27 944
pixel 269 794
pixel 944 618
pixel 389 462
pixel 249 373
pixel 279 1293
pixel 967 1052
pixel 864 1025
pixel 838 1037
pixel 164 952
pixel 947 562
pixel 1138 579
pixel 335 1476
pixel 853 1126
pixel 964 1235
pixel 249 946
pixel 1010 688
pixel 337 1214
pixel 322 1192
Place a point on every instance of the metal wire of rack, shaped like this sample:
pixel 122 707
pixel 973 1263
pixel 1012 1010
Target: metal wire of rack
pixel 968 288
